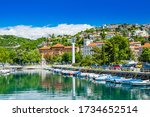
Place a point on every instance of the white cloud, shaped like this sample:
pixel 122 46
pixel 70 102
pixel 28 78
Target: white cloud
pixel 37 32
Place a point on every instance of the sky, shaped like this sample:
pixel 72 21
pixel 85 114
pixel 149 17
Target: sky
pixel 52 14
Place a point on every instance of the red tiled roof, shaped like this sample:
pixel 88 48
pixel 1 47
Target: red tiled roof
pixel 135 42
pixel 44 48
pixel 99 42
pixel 92 44
pixel 95 44
pixel 146 45
pixel 58 45
pixel 69 47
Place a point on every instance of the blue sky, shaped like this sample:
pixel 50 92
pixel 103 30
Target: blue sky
pixel 54 12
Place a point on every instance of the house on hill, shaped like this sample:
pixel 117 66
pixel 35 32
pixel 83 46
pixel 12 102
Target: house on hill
pixel 89 45
pixel 135 48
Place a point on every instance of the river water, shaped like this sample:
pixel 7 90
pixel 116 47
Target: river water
pixel 44 85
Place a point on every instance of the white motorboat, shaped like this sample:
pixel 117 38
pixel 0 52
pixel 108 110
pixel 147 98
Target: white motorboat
pixel 70 73
pixel 5 71
pixel 140 83
pixel 93 75
pixel 57 71
pixel 83 75
pixel 112 78
pixel 128 81
pixel 119 80
pixel 102 77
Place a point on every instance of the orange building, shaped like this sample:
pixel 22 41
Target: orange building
pixel 146 45
pixel 57 49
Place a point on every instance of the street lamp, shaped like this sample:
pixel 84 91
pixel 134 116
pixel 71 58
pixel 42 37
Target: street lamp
pixel 73 49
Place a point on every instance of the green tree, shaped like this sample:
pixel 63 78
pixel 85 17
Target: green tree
pixel 12 56
pixel 140 39
pixel 78 56
pixel 67 57
pixel 100 56
pixel 87 61
pixel 57 58
pixel 21 56
pixel 145 56
pixel 4 55
pixel 33 56
pixel 117 49
pixel 103 33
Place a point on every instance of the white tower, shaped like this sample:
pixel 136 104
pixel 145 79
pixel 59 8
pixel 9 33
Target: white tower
pixel 73 50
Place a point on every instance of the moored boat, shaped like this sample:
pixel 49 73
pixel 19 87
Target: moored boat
pixel 70 73
pixel 119 80
pixel 102 77
pixel 93 75
pixel 112 78
pixel 128 81
pixel 5 71
pixel 58 71
pixel 140 83
pixel 83 75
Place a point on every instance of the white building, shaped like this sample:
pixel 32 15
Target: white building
pixel 141 33
pixel 89 45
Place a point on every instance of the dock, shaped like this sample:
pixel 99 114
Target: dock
pixel 127 74
pixel 17 67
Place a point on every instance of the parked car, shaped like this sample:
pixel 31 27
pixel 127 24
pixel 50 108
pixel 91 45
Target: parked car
pixel 128 67
pixel 145 68
pixel 139 65
pixel 95 66
pixel 104 66
pixel 115 67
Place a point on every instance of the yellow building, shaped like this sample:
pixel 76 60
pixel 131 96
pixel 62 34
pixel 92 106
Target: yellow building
pixel 57 49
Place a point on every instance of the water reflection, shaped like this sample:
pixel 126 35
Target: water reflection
pixel 73 88
pixel 38 85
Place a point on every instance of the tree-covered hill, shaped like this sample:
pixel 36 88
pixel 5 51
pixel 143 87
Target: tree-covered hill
pixel 18 50
pixel 9 40
pixel 13 41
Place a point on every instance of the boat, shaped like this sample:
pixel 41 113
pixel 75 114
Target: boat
pixel 140 83
pixel 102 77
pixel 93 75
pixel 65 72
pixel 5 71
pixel 99 82
pixel 58 71
pixel 70 73
pixel 128 81
pixel 49 69
pixel 83 75
pixel 112 78
pixel 119 80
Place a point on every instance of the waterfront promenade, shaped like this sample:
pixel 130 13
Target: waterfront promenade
pixel 127 74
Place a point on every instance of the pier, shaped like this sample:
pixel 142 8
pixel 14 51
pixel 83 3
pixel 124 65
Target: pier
pixel 127 74
pixel 17 67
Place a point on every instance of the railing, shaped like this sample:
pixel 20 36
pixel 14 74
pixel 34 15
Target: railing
pixel 145 70
pixel 107 68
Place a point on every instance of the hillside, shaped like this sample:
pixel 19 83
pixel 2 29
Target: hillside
pixel 9 41
pixel 131 31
